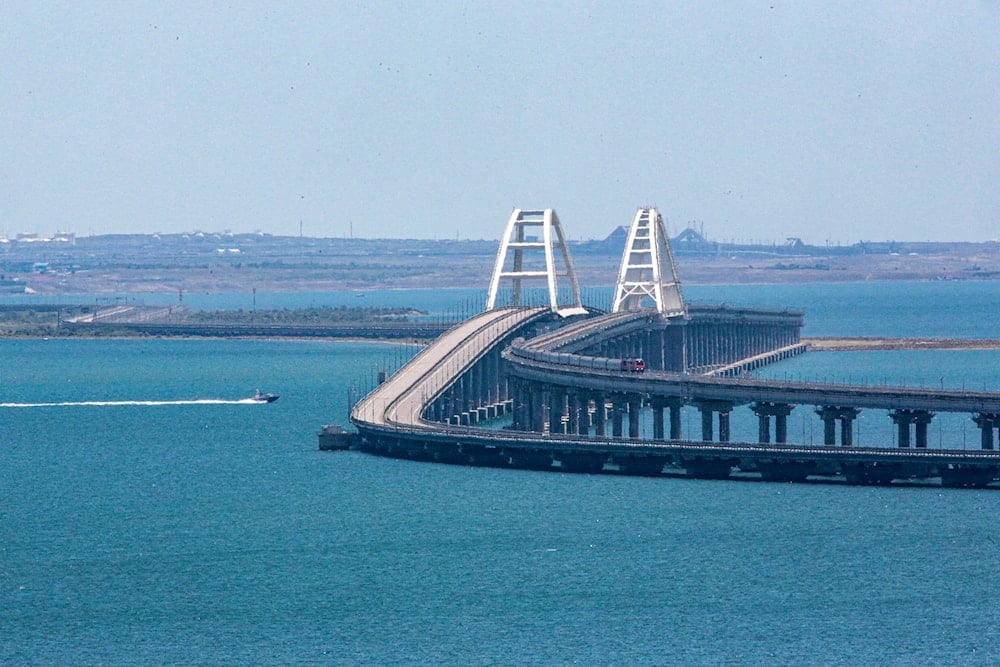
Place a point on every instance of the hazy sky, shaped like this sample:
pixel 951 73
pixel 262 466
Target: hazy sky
pixel 831 121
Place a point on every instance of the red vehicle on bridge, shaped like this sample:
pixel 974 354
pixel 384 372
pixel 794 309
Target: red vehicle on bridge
pixel 633 365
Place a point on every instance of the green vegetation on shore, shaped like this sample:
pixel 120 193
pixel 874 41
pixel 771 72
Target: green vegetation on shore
pixel 47 321
pixel 303 316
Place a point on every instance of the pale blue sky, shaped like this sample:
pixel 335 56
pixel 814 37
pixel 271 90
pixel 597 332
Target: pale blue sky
pixel 831 121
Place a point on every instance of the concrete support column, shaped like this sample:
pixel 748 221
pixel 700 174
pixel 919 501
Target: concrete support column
pixel 675 420
pixel 830 415
pixel 724 427
pixel 617 416
pixel 987 422
pixel 522 405
pixel 634 409
pixel 658 405
pixel 600 415
pixel 708 408
pixel 763 427
pixel 543 409
pixel 675 354
pixel 557 409
pixel 573 425
pixel 706 425
pixel 780 411
pixel 829 431
pixel 477 386
pixel 781 428
pixel 532 408
pixel 921 419
pixel 903 419
pixel 491 379
pixel 903 426
pixel 516 416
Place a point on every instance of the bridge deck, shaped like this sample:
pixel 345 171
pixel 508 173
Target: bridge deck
pixel 400 400
pixel 390 417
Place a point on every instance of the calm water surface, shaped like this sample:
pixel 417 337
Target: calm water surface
pixel 218 534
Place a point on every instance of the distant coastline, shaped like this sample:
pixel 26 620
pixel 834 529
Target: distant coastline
pixel 143 264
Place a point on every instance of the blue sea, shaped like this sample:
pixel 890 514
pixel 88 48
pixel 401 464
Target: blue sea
pixel 149 515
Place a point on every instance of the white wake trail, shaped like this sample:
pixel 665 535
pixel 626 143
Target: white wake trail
pixel 197 401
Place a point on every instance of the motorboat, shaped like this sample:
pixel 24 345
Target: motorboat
pixel 261 397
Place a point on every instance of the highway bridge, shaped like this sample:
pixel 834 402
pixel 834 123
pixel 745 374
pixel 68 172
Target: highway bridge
pixel 545 388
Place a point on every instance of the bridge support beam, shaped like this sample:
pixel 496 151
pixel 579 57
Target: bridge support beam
pixel 708 410
pixel 987 423
pixel 919 418
pixel 585 462
pixel 675 419
pixel 972 477
pixel 634 410
pixel 617 416
pixel 573 404
pixel 647 466
pixel 780 412
pixel 659 404
pixel 557 409
pixel 830 414
pixel 600 414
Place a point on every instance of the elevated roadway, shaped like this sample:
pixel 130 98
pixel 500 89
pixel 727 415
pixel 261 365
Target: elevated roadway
pixel 393 419
pixel 533 362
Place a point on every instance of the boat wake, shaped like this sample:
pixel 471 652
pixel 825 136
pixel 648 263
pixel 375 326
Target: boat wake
pixel 198 401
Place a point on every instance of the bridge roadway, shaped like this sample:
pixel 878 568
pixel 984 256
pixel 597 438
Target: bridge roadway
pixel 580 371
pixel 400 400
pixel 390 421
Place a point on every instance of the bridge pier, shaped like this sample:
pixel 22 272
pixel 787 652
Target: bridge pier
pixel 919 418
pixel 634 410
pixel 780 411
pixel 573 405
pixel 969 476
pixel 874 473
pixel 708 410
pixel 557 409
pixel 585 462
pixel 487 456
pixel 529 459
pixel 646 466
pixel 600 414
pixel 703 468
pixel 534 408
pixel 987 423
pixel 830 414
pixel 786 471
pixel 617 416
pixel 659 404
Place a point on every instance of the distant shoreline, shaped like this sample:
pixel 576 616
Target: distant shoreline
pixel 245 263
pixel 867 343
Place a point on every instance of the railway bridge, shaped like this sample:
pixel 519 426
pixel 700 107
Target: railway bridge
pixel 544 387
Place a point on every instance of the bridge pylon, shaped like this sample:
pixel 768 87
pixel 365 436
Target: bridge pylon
pixel 647 271
pixel 528 252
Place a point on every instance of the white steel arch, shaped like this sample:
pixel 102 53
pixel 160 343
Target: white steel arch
pixel 524 254
pixel 647 269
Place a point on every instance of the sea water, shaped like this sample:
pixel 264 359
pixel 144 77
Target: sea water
pixel 150 515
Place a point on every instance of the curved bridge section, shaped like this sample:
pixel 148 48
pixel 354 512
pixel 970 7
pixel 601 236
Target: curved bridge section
pixel 439 379
pixel 579 412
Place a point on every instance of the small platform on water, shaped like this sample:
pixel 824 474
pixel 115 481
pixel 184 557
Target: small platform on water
pixel 333 437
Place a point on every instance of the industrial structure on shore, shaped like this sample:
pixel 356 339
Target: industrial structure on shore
pixel 571 386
